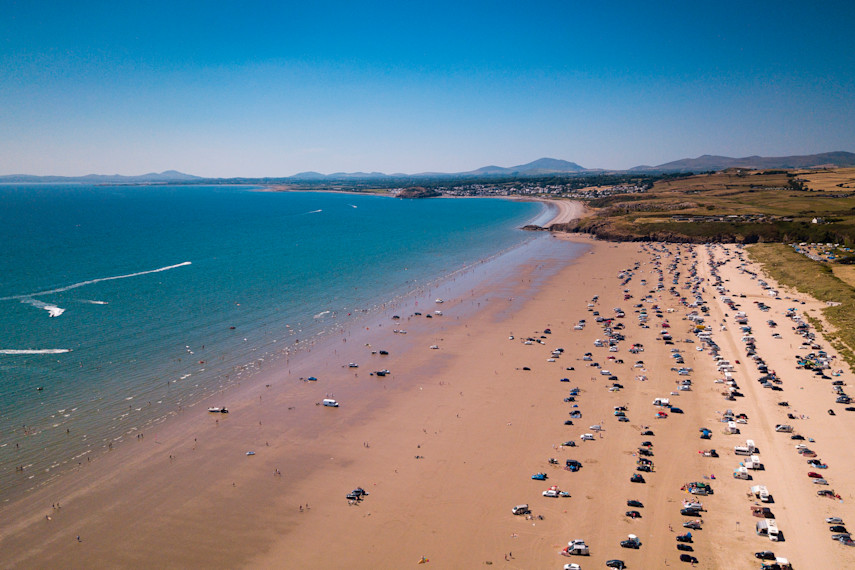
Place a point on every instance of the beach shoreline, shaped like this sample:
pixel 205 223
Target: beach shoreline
pixel 446 443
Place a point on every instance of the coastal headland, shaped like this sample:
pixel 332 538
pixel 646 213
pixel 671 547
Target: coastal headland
pixel 475 402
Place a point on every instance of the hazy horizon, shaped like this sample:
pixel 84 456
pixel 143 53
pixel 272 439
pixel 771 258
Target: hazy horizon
pixel 222 90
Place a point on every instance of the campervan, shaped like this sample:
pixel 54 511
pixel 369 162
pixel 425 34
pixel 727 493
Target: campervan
pixel 754 464
pixel 746 449
pixel 330 403
pixel 768 527
pixel 761 493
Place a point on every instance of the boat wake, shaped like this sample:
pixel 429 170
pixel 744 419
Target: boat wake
pixel 52 310
pixel 315 212
pixel 55 311
pixel 34 351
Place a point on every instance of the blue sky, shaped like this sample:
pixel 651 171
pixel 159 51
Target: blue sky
pixel 258 88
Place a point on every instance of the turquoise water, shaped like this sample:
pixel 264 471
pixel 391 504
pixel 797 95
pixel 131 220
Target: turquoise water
pixel 119 304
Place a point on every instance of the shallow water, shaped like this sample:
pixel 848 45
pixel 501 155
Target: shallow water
pixel 121 304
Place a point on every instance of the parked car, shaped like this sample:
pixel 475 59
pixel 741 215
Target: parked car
pixel 834 520
pixel 765 555
pixel 639 504
pixel 615 563
pixel 838 528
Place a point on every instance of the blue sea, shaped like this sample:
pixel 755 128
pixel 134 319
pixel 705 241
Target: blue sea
pixel 120 303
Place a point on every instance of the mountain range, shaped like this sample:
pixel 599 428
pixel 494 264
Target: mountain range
pixel 709 162
pixel 540 167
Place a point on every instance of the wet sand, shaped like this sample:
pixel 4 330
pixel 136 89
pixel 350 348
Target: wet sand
pixel 447 443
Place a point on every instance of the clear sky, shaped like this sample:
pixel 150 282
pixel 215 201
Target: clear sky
pixel 271 88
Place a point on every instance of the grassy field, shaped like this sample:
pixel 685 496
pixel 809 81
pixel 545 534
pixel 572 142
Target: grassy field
pixel 845 273
pixel 737 206
pixel 818 280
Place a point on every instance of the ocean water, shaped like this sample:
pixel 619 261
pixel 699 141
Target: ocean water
pixel 120 304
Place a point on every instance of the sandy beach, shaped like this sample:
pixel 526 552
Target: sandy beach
pixel 447 442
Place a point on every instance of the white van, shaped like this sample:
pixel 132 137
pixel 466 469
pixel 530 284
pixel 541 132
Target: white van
pixel 330 403
pixel 768 527
pixel 747 449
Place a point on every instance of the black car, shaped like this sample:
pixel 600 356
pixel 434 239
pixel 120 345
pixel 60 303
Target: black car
pixel 765 555
pixel 838 528
pixel 634 503
pixel 633 514
pixel 797 437
pixel 688 558
pixel 614 563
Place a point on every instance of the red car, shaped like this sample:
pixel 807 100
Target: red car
pixel 814 475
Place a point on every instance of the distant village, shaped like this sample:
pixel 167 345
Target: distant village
pixel 565 190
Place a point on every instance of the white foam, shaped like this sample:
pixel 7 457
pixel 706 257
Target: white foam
pixel 314 212
pixel 52 310
pixel 321 314
pixel 35 351
pixel 93 302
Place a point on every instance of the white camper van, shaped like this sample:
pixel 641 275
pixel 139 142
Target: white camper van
pixel 768 527
pixel 330 403
pixel 746 449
